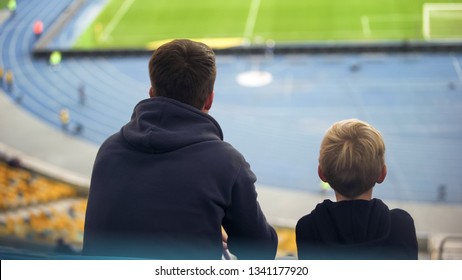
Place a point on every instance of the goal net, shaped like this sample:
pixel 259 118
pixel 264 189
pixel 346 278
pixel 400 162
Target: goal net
pixel 442 21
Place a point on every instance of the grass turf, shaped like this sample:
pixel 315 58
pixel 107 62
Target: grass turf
pixel 143 23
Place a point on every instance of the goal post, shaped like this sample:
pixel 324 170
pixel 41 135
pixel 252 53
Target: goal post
pixel 442 21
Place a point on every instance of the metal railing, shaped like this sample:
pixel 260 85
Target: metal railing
pixel 450 248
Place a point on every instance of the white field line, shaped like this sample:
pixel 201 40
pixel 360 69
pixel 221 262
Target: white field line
pixel 251 18
pixel 115 20
pixel 456 64
pixel 366 26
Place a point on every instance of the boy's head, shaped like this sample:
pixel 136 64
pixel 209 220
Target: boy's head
pixel 352 158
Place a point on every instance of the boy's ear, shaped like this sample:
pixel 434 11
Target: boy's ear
pixel 382 175
pixel 321 174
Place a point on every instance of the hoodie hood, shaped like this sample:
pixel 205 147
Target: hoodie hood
pixel 161 125
pixel 352 221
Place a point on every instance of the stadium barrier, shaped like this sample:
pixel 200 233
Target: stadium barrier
pixel 305 48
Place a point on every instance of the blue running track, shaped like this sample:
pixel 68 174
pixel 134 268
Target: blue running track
pixel 414 99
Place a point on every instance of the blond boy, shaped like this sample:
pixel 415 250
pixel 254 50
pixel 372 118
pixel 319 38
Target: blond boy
pixel 356 226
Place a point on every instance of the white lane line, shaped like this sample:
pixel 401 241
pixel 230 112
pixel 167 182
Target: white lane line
pixel 456 64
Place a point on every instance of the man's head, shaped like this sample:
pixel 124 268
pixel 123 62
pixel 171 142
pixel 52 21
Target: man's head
pixel 183 70
pixel 352 158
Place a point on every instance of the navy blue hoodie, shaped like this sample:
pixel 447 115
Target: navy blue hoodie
pixel 356 229
pixel 164 186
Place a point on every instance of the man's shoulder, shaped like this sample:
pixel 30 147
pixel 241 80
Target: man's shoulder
pixel 223 148
pixel 112 142
pixel 399 213
pixel 401 219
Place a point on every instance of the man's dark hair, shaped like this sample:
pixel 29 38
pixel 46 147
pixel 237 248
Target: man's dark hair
pixel 183 70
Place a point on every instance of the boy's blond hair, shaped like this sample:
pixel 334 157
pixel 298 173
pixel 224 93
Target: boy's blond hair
pixel 352 157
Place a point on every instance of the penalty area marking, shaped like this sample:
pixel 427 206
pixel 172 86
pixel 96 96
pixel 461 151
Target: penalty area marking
pixel 254 78
pixel 432 7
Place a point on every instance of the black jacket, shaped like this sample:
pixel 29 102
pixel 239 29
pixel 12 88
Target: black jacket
pixel 356 229
pixel 164 185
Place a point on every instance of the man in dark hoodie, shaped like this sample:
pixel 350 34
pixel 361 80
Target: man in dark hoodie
pixel 166 184
pixel 352 161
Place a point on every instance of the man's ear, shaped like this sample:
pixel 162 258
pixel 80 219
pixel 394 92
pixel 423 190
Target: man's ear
pixel 208 102
pixel 382 175
pixel 321 174
pixel 151 92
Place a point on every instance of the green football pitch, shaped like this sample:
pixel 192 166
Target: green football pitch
pixel 147 23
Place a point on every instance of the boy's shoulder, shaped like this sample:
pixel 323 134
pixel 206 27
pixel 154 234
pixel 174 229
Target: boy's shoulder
pixel 398 215
pixel 308 219
pixel 399 212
